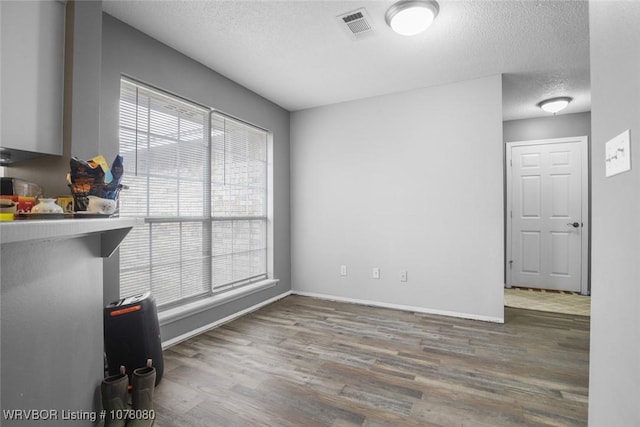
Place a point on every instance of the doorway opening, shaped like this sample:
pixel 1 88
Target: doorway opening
pixel 547 214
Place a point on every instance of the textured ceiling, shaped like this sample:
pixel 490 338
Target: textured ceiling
pixel 297 54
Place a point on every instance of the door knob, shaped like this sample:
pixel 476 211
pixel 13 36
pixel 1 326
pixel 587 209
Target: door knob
pixel 574 224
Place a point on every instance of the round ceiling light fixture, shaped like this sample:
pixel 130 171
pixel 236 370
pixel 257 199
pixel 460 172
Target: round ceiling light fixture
pixel 411 17
pixel 553 105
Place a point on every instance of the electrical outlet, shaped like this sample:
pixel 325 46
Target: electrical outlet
pixel 343 270
pixel 376 273
pixel 403 276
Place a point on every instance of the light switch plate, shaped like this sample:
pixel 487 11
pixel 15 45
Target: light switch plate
pixel 618 154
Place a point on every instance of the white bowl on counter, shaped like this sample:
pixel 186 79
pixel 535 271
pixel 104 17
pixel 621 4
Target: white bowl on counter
pixel 101 206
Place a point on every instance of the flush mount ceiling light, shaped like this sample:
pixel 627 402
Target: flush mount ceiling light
pixel 553 105
pixel 411 17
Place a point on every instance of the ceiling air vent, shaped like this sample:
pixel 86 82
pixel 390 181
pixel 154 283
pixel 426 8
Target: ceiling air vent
pixel 357 23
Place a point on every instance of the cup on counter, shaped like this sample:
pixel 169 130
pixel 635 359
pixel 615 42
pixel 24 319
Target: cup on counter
pixel 8 209
pixel 66 203
pixel 101 206
pixel 8 206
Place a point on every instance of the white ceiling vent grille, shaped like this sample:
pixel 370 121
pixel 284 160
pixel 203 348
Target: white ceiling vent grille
pixel 357 23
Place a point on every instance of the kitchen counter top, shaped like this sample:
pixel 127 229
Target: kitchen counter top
pixel 112 230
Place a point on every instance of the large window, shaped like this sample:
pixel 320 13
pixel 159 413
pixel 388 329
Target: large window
pixel 199 180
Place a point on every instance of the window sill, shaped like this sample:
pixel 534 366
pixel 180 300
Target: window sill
pixel 184 311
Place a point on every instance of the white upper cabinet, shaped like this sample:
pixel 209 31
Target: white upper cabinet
pixel 32 35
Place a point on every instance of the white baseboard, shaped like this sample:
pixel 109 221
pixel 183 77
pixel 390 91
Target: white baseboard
pixel 217 323
pixel 401 307
pixel 213 325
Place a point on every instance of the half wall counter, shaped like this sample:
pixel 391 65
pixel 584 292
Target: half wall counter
pixel 51 328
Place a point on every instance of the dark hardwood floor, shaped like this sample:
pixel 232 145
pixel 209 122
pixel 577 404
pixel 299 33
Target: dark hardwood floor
pixel 309 362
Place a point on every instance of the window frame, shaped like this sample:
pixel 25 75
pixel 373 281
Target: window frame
pixel 208 220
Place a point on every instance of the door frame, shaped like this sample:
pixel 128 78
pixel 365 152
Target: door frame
pixel 586 218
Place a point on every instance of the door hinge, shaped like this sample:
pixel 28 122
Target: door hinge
pixel 510 263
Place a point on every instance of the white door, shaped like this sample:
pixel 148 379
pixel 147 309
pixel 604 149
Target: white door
pixel 546 218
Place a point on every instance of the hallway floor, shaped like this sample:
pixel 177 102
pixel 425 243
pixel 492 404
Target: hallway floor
pixel 550 301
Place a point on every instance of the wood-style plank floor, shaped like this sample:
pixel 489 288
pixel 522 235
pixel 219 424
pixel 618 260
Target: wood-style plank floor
pixel 305 362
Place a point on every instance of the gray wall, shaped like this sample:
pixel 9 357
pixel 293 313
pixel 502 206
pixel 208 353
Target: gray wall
pixel 132 53
pixel 559 126
pixel 614 384
pixel 409 181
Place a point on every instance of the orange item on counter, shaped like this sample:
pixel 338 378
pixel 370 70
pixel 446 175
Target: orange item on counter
pixel 24 203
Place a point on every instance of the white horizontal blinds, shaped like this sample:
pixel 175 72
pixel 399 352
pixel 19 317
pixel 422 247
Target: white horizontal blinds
pixel 165 145
pixel 239 202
